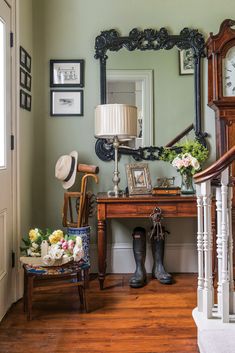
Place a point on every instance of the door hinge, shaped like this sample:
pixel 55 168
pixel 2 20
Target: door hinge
pixel 13 259
pixel 12 142
pixel 11 39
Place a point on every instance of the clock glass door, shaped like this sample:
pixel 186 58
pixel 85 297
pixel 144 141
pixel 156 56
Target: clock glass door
pixel 229 73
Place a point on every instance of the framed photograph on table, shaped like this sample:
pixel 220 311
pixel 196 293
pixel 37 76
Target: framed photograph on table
pixel 67 103
pixel 186 62
pixel 67 73
pixel 138 179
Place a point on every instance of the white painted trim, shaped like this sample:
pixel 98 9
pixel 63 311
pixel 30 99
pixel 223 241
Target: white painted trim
pixel 15 153
pixel 146 76
pixel 179 257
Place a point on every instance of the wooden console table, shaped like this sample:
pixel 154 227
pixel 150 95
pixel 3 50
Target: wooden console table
pixel 137 207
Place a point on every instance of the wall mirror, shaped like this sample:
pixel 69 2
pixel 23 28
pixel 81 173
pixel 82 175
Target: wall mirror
pixel 176 98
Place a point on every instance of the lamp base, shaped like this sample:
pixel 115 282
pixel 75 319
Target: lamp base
pixel 113 193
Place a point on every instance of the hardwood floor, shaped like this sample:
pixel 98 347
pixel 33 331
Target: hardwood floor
pixel 156 318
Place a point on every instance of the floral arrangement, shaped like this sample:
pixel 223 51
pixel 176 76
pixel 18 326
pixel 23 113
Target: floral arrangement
pixel 52 246
pixel 32 242
pixel 190 158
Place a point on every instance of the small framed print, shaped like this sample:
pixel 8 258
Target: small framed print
pixel 28 82
pixel 138 179
pixel 25 79
pixel 186 62
pixel 25 59
pixel 28 62
pixel 23 54
pixel 22 77
pixel 25 100
pixel 67 103
pixel 67 73
pixel 28 102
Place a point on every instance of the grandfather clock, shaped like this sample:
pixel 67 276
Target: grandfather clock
pixel 221 92
pixel 221 87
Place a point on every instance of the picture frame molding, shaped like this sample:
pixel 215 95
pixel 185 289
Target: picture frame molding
pixel 133 188
pixel 81 62
pixel 52 94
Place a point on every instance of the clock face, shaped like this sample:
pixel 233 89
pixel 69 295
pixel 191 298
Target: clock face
pixel 229 73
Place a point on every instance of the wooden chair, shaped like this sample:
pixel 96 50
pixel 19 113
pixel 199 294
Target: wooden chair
pixel 38 278
pixel 83 199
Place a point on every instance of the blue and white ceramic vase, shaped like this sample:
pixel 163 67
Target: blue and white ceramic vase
pixel 84 233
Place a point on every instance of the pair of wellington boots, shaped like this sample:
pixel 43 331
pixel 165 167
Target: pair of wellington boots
pixel 139 278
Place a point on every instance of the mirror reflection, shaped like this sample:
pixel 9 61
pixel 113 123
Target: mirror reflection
pixel 134 87
pixel 173 105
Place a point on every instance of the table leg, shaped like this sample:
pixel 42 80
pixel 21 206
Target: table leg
pixel 102 251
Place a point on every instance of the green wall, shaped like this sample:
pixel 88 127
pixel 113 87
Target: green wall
pixel 64 29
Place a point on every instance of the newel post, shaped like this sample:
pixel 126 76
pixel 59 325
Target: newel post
pixel 207 249
pixel 200 283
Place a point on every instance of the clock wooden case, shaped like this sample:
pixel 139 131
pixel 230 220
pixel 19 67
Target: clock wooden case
pixel 221 86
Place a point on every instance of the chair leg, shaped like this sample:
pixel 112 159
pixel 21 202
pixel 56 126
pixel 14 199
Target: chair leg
pixel 25 297
pixel 30 297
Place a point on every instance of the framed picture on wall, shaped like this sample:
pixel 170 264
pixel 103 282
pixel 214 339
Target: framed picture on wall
pixel 186 62
pixel 67 103
pixel 25 100
pixel 22 77
pixel 22 56
pixel 67 73
pixel 28 62
pixel 25 59
pixel 138 179
pixel 25 79
pixel 28 102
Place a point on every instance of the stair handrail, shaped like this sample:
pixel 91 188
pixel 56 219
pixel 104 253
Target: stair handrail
pixel 216 168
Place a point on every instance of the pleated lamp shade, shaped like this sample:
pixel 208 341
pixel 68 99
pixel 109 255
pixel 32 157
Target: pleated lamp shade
pixel 116 120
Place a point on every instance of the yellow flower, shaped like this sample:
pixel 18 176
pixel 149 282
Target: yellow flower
pixel 56 236
pixel 33 234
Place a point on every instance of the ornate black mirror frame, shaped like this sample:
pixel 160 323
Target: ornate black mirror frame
pixel 150 39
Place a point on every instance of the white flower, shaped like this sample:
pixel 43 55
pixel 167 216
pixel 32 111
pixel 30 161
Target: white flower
pixel 55 252
pixel 35 246
pixel 177 163
pixel 195 163
pixel 48 260
pixel 78 252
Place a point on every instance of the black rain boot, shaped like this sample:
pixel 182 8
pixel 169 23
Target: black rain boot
pixel 139 278
pixel 158 267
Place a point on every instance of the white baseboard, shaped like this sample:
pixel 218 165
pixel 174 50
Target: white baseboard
pixel 181 257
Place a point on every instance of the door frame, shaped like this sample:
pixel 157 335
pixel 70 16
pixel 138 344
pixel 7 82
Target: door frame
pixel 13 4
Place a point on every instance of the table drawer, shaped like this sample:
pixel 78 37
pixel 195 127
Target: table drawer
pixel 138 210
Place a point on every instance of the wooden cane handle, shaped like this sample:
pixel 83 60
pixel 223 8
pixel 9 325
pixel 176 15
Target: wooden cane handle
pixel 86 168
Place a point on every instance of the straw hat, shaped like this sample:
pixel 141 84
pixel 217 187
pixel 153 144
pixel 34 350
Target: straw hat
pixel 65 169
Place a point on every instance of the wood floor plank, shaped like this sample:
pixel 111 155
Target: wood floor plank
pixel 152 319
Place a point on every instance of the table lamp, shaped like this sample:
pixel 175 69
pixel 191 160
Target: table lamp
pixel 116 122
